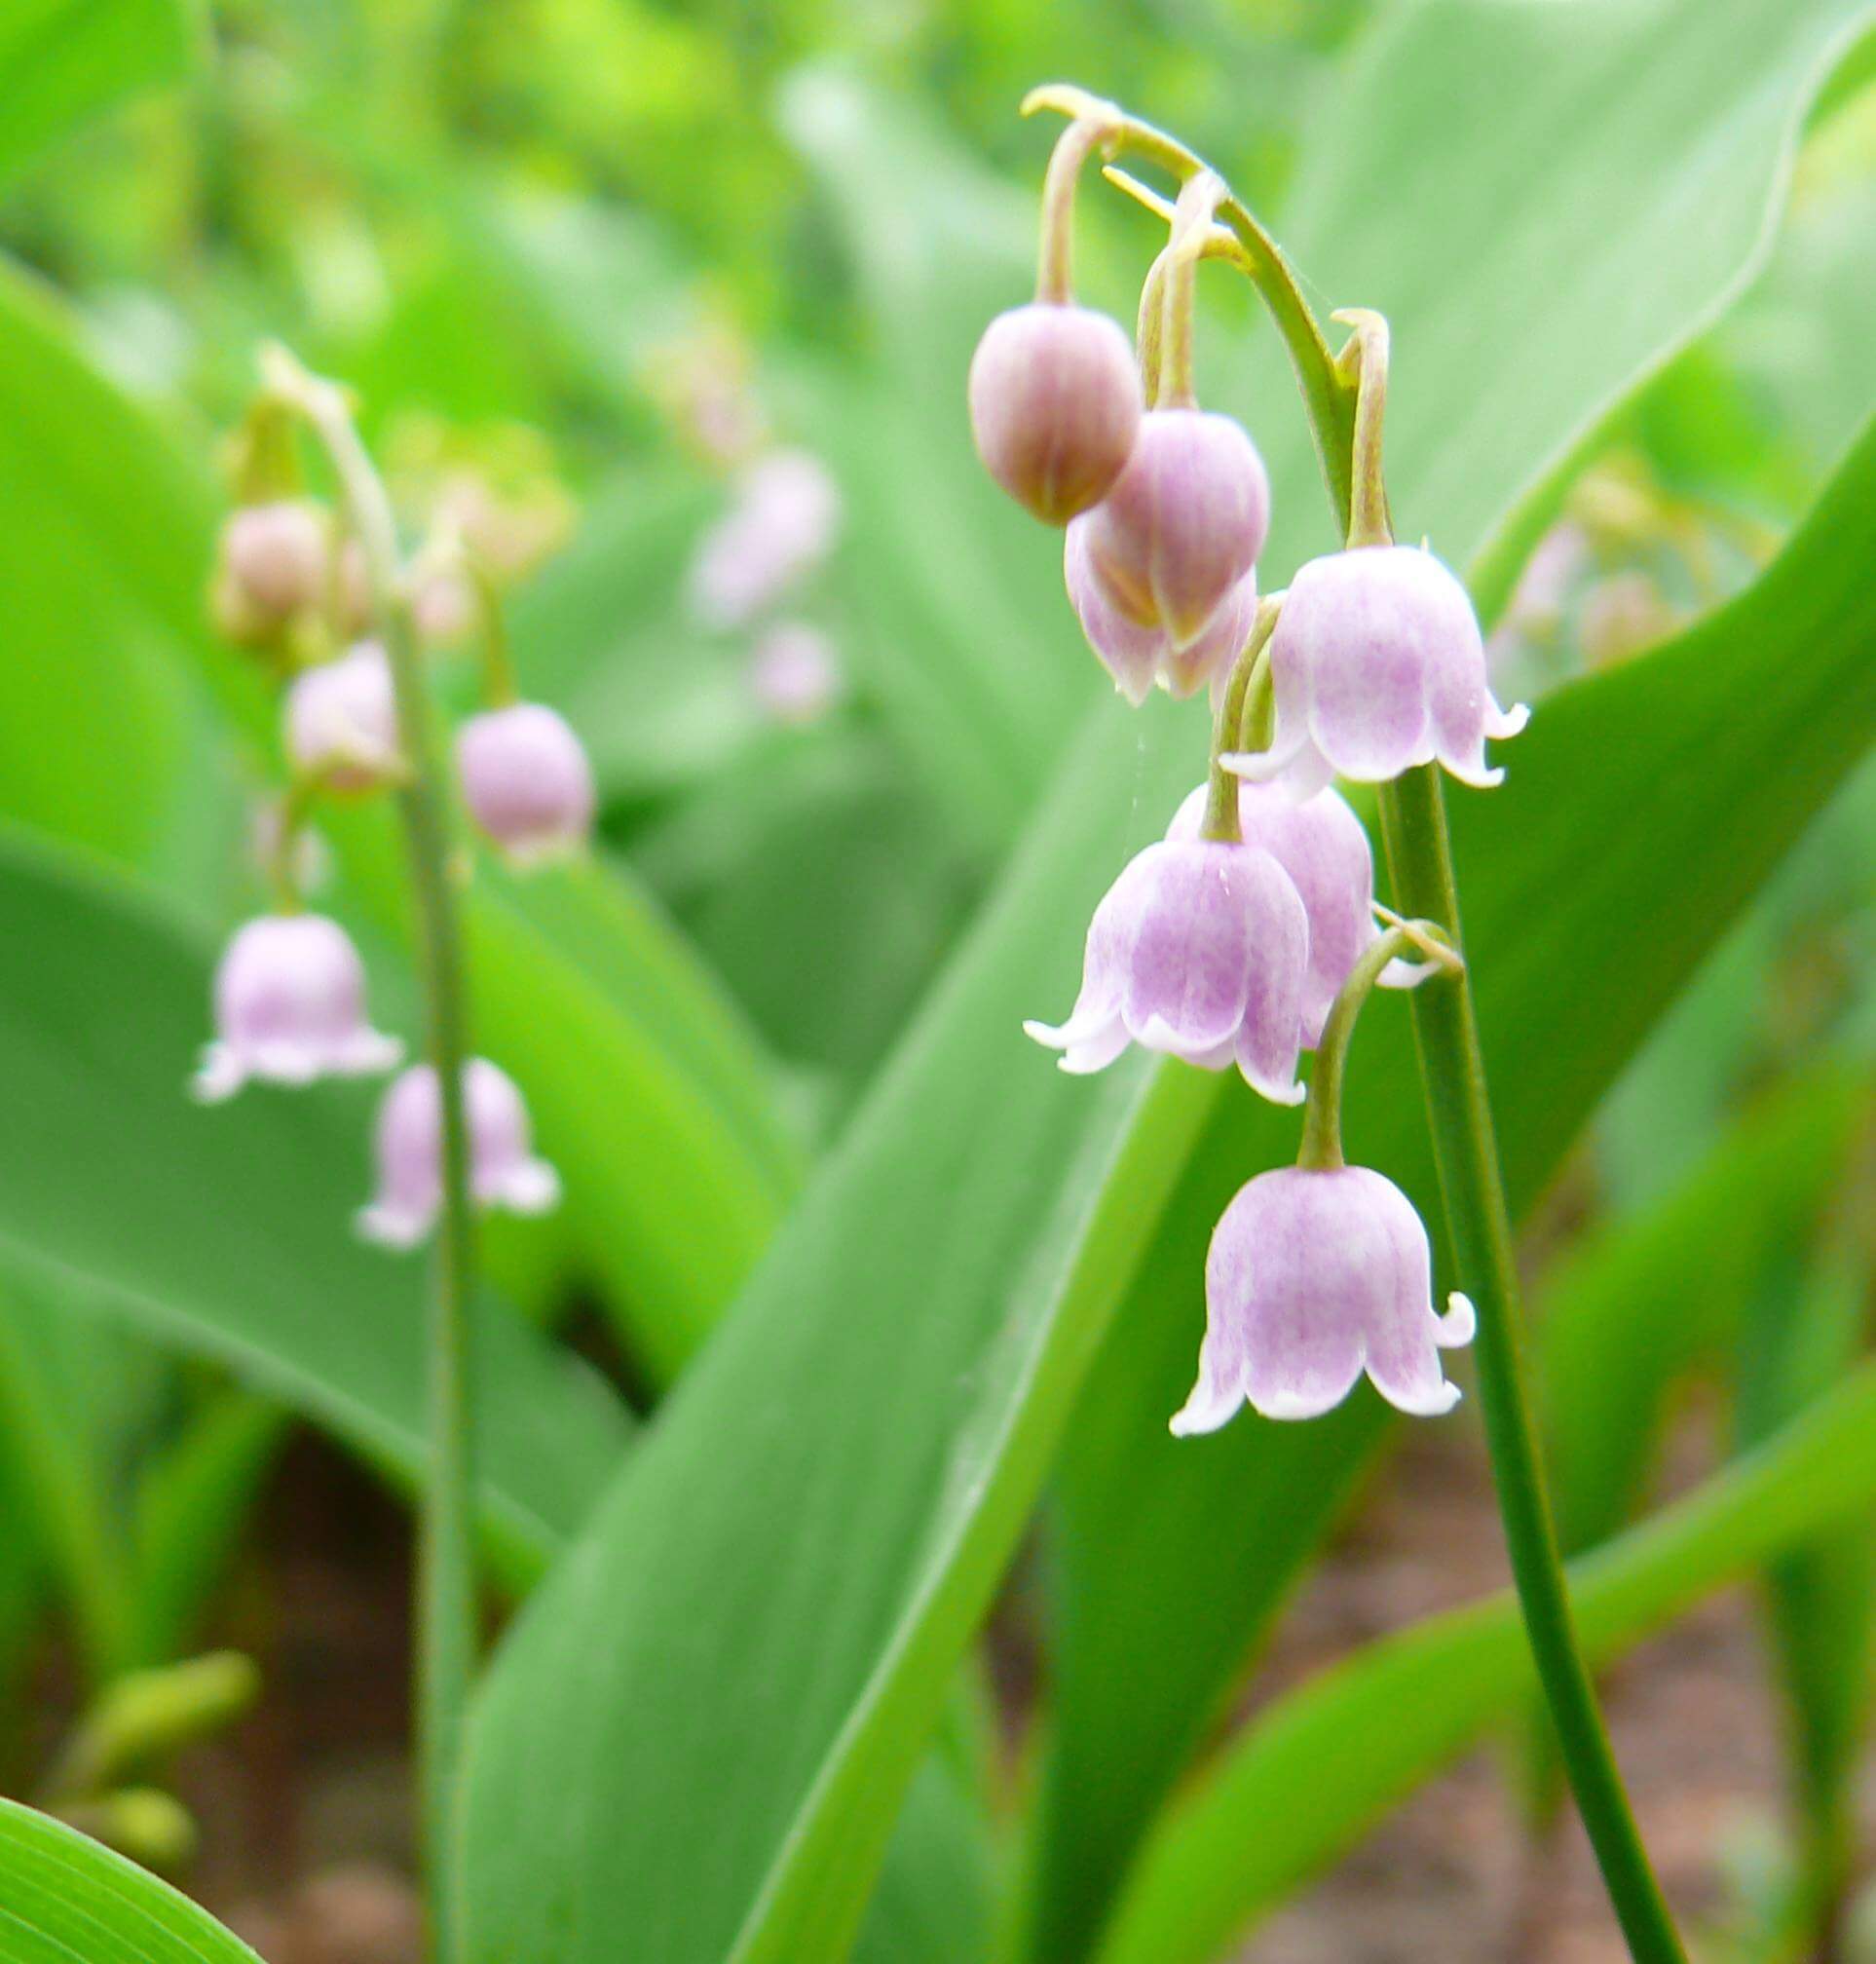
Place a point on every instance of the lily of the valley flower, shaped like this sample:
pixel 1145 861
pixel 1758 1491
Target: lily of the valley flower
pixel 526 781
pixel 1183 523
pixel 502 1169
pixel 342 721
pixel 1314 1276
pixel 783 523
pixel 1199 949
pixel 1377 666
pixel 1137 657
pixel 1324 848
pixel 289 1008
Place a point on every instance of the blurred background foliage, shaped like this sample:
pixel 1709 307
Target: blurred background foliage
pixel 538 236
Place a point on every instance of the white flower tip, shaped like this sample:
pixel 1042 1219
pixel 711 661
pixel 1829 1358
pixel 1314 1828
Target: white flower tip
pixel 1476 774
pixel 531 1188
pixel 1049 1035
pixel 390 1226
pixel 1256 767
pixel 1406 974
pixel 1502 723
pixel 369 1052
pixel 219 1077
pixel 1458 1326
pixel 1275 1090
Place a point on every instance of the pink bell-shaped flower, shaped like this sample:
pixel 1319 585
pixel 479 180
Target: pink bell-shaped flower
pixel 342 721
pixel 1201 950
pixel 1324 848
pixel 289 1008
pixel 275 555
pixel 1313 1277
pixel 526 781
pixel 1138 656
pixel 1377 666
pixel 1183 523
pixel 1055 403
pixel 794 674
pixel 502 1169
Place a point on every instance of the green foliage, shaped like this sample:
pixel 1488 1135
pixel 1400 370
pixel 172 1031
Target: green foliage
pixel 62 1896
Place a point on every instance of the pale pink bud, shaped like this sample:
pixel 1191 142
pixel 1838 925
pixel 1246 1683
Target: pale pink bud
pixel 794 674
pixel 502 1169
pixel 1313 1277
pixel 289 1008
pixel 1055 405
pixel 443 606
pixel 1199 949
pixel 1324 848
pixel 526 780
pixel 342 721
pixel 1377 666
pixel 783 523
pixel 1183 523
pixel 275 557
pixel 1137 657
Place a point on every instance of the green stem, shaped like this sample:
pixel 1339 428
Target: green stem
pixel 1322 1136
pixel 1191 222
pixel 1246 703
pixel 445 1556
pixel 1419 858
pixel 1414 829
pixel 500 687
pixel 1055 265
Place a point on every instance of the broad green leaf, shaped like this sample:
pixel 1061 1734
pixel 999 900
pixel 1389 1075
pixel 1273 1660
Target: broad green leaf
pixel 1313 1770
pixel 227 1231
pixel 63 1897
pixel 1502 371
pixel 66 59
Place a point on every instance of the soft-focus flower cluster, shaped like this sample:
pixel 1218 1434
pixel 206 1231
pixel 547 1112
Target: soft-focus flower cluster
pixel 290 990
pixel 1230 940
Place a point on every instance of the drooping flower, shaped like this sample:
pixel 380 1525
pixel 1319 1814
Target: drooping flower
pixel 1137 657
pixel 275 556
pixel 1313 1277
pixel 1324 848
pixel 1055 405
pixel 1183 523
pixel 794 674
pixel 526 780
pixel 289 1002
pixel 784 519
pixel 342 721
pixel 502 1169
pixel 1377 666
pixel 1201 950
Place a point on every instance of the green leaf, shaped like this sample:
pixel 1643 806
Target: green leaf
pixel 63 1896
pixel 1301 1784
pixel 227 1229
pixel 66 59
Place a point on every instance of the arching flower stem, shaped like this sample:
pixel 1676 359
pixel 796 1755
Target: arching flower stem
pixel 446 1580
pixel 1241 723
pixel 1413 827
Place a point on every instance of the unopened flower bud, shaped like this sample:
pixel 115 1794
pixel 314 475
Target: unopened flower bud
pixel 1324 848
pixel 794 674
pixel 342 721
pixel 1137 657
pixel 1314 1276
pixel 526 780
pixel 1055 405
pixel 289 1008
pixel 1377 666
pixel 1183 523
pixel 274 558
pixel 1199 949
pixel 502 1169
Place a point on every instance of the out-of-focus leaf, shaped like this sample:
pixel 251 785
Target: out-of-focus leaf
pixel 1637 1303
pixel 227 1229
pixel 66 59
pixel 63 1896
pixel 1301 1784
pixel 91 705
pixel 1501 373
